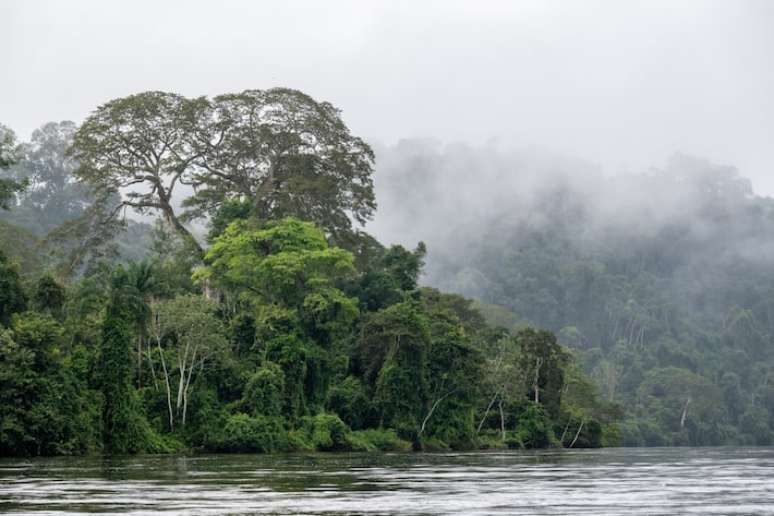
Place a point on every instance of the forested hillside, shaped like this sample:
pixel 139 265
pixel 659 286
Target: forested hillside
pixel 280 326
pixel 662 281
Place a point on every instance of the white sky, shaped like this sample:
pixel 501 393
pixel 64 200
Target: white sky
pixel 623 84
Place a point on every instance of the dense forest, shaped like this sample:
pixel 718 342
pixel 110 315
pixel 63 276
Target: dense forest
pixel 193 274
pixel 661 282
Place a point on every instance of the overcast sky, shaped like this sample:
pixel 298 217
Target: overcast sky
pixel 623 84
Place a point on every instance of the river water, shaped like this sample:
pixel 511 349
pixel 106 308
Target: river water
pixel 651 481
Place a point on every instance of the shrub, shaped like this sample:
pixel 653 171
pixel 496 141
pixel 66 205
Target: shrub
pixel 263 393
pixel 377 439
pixel 348 399
pixel 244 433
pixel 533 429
pixel 327 432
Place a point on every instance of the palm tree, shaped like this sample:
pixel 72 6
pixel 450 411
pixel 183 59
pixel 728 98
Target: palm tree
pixel 142 284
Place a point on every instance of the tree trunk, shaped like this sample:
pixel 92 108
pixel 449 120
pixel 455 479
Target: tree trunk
pixel 180 385
pixel 564 433
pixel 432 409
pixel 149 355
pixel 172 220
pixel 486 413
pixel 535 384
pixel 685 413
pixel 169 388
pixel 502 419
pixel 580 427
pixel 139 361
pixel 188 384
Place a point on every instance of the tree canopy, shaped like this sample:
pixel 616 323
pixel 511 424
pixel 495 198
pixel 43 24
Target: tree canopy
pixel 278 151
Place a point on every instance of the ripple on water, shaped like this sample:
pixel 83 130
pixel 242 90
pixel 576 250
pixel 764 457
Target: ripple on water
pixel 599 482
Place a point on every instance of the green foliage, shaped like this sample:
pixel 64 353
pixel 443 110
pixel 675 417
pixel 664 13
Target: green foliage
pixel 323 432
pixel 389 275
pixel 378 439
pixel 286 155
pixel 273 262
pixel 13 299
pixel 49 296
pixel 249 434
pixel 543 361
pixel 21 247
pixel 45 408
pixel 263 393
pixel 534 429
pixel 288 333
pixel 393 352
pixel 278 151
pixel 349 400
pixel 124 427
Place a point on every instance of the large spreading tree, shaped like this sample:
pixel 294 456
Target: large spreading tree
pixel 140 146
pixel 275 153
pixel 283 154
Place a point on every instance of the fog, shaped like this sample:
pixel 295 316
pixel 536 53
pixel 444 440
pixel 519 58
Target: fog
pixel 622 85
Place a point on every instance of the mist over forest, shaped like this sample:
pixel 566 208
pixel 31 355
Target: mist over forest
pixel 661 280
pixel 659 283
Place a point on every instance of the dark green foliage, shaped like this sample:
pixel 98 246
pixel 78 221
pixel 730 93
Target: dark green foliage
pixel 124 427
pixel 12 296
pixel 542 359
pixel 287 333
pixel 389 276
pixel 286 155
pixel 263 393
pixel 227 213
pixel 393 353
pixel 49 296
pixel 249 434
pixel 323 432
pixel 533 430
pixel 349 400
pixel 45 408
pixel 22 247
pixel 8 191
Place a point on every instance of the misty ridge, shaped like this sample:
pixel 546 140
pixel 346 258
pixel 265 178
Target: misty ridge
pixel 459 199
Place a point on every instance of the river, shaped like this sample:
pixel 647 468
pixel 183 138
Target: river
pixel 653 481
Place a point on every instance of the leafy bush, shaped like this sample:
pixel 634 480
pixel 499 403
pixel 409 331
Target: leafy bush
pixel 244 433
pixel 533 429
pixel 326 432
pixel 377 439
pixel 348 399
pixel 263 393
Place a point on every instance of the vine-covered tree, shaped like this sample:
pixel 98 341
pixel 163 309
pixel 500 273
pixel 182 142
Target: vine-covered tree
pixel 13 299
pixel 124 427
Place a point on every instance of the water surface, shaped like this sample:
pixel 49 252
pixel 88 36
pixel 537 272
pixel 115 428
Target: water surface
pixel 660 481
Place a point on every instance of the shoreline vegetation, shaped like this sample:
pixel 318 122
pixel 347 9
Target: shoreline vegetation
pixel 195 274
pixel 285 328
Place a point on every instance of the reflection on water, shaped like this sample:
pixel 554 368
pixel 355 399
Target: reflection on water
pixel 594 482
